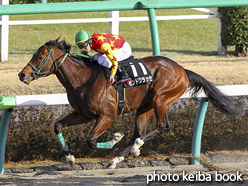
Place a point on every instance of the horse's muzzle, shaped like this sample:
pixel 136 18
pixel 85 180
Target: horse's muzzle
pixel 25 79
pixel 21 76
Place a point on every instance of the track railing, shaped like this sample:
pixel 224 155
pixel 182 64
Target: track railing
pixel 119 5
pixel 9 102
pixel 114 19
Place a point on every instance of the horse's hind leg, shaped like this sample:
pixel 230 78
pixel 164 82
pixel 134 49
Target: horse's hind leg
pixel 171 91
pixel 71 119
pixel 163 126
pixel 141 120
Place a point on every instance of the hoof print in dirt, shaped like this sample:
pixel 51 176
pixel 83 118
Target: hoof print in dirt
pixel 178 160
pixel 43 168
pixel 137 163
pixel 46 172
pixel 18 170
pixel 122 164
pixel 154 163
pixel 66 167
pixel 223 158
pixel 90 166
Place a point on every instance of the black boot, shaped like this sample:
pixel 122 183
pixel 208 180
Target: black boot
pixel 124 77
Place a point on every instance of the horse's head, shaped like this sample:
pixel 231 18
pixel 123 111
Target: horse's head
pixel 42 63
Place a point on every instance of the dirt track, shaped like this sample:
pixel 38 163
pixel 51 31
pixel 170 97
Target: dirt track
pixel 218 69
pixel 131 176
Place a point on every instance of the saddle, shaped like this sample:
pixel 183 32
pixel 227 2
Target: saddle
pixel 139 74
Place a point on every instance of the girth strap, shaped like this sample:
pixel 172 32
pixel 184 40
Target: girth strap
pixel 121 98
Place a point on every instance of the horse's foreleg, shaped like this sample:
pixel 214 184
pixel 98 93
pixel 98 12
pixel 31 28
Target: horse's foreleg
pixel 64 147
pixel 109 144
pixel 71 119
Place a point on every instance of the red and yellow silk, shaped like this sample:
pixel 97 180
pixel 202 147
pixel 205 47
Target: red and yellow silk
pixel 106 43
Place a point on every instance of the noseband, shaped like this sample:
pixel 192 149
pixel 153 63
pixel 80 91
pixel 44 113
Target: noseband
pixel 38 69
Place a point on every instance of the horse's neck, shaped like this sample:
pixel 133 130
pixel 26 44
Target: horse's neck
pixel 72 75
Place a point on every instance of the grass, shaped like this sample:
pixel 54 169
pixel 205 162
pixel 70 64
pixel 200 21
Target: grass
pixel 178 37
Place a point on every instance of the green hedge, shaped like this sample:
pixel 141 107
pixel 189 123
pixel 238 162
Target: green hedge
pixel 32 136
pixel 235 28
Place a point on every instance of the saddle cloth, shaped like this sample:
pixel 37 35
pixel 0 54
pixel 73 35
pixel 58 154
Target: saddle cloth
pixel 138 72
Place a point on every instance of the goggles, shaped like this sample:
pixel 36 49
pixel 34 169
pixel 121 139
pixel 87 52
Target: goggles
pixel 84 45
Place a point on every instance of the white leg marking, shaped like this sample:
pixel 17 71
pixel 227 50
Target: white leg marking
pixel 70 159
pixel 115 161
pixel 135 149
pixel 117 137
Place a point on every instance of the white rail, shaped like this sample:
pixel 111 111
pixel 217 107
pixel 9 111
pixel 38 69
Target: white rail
pixel 113 20
pixel 60 99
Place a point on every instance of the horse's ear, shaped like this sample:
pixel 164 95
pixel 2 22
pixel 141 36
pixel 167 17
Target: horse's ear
pixel 54 42
pixel 57 40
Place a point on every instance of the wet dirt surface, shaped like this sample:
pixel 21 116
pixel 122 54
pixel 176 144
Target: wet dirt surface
pixel 215 169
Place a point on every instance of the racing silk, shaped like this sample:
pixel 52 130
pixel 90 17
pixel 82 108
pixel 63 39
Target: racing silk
pixel 106 43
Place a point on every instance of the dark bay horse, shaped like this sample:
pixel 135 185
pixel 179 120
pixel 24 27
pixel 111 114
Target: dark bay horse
pixel 92 97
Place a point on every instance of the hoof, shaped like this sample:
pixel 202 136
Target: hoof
pixel 135 149
pixel 70 159
pixel 117 137
pixel 135 152
pixel 112 166
pixel 115 161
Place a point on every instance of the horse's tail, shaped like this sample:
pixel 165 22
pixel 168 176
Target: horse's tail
pixel 222 102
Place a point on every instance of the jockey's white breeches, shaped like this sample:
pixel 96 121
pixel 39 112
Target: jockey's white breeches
pixel 121 54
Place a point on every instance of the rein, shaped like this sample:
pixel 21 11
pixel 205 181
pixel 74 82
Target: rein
pixel 37 70
pixel 82 55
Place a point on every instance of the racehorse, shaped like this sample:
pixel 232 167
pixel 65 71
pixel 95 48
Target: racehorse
pixel 92 97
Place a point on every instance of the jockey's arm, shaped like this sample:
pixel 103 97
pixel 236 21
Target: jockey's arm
pixel 108 51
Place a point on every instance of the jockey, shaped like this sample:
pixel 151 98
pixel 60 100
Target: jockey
pixel 111 49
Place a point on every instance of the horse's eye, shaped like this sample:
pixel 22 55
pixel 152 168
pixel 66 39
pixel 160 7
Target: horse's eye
pixel 40 58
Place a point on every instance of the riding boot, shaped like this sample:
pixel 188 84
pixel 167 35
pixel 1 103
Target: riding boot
pixel 124 77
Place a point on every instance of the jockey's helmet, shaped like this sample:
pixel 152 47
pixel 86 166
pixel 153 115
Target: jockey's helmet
pixel 81 37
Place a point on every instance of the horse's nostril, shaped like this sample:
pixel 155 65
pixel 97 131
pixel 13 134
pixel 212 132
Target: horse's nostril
pixel 21 76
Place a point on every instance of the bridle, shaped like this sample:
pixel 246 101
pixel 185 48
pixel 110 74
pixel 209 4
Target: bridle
pixel 38 69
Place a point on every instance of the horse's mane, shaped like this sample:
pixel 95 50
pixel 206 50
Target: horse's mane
pixel 65 48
